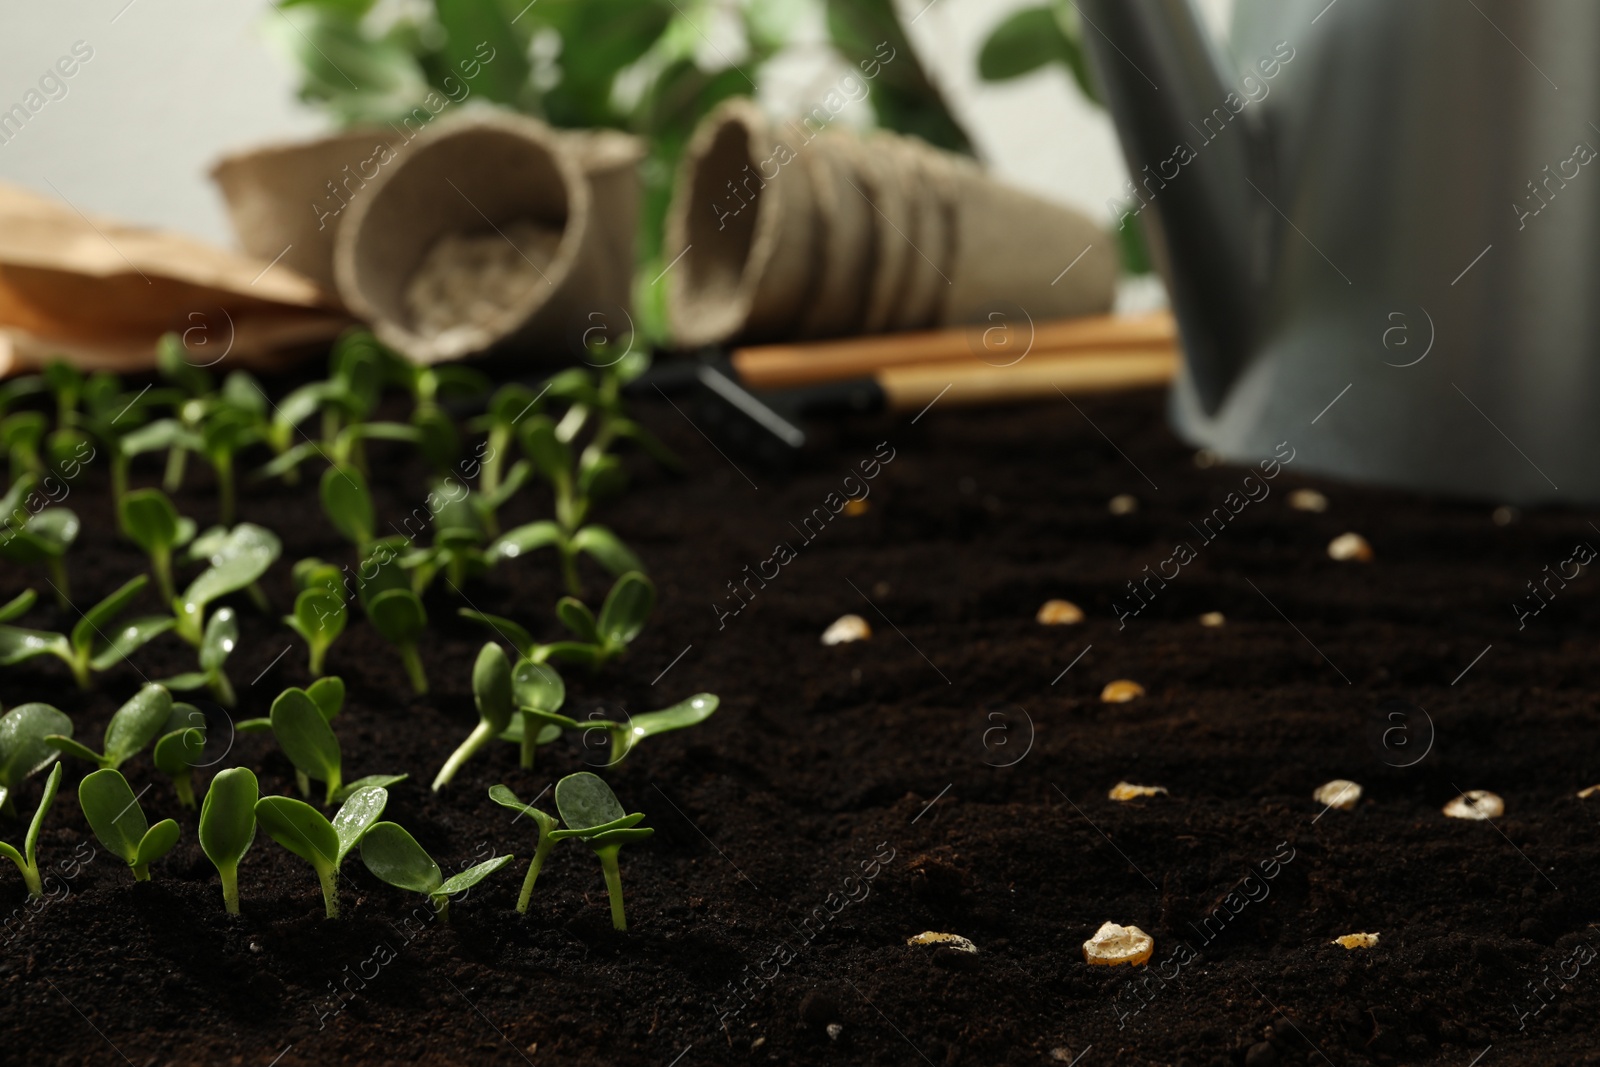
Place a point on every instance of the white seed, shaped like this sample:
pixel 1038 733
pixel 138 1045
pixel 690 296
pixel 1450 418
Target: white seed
pixel 1476 804
pixel 1340 793
pixel 1129 791
pixel 1061 1054
pixel 1350 546
pixel 933 937
pixel 1059 613
pixel 834 1030
pixel 846 628
pixel 1123 504
pixel 1213 619
pixel 1585 794
pixel 1308 500
pixel 1349 941
pixel 1112 945
pixel 757 1043
pixel 1121 691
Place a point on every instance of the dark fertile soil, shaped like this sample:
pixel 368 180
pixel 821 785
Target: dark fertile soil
pixel 949 774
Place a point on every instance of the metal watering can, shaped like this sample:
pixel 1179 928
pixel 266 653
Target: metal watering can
pixel 1379 223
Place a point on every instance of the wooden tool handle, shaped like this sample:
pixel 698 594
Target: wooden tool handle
pixel 1039 376
pixel 812 363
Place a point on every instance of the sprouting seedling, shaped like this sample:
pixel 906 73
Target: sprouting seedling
pixel 228 827
pixel 153 524
pixel 221 636
pixel 319 618
pixel 503 796
pixel 492 693
pixel 27 860
pixel 238 557
pixel 41 537
pixel 306 832
pixel 94 643
pixel 398 615
pixel 574 491
pixel 457 549
pixel 394 856
pixel 625 736
pixel 24 746
pixel 227 428
pixel 303 733
pixel 592 812
pixel 118 821
pixel 348 505
pixel 132 727
pixel 178 750
pixel 539 692
pixel 598 640
pixel 509 405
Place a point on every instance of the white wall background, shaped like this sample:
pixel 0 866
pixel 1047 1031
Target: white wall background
pixel 174 83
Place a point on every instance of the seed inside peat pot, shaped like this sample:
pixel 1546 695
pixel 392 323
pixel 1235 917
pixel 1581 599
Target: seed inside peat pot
pixel 951 941
pixel 472 281
pixel 1213 619
pixel 846 628
pixel 1123 504
pixel 1339 793
pixel 1350 547
pixel 1353 941
pixel 1476 804
pixel 1121 691
pixel 1059 613
pixel 1113 945
pixel 1129 791
pixel 1308 500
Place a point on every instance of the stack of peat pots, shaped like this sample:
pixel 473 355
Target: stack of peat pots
pixel 776 234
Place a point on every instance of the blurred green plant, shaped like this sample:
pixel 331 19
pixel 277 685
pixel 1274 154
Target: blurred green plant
pixel 651 67
pixel 1037 37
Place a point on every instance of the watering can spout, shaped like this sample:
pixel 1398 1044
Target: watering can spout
pixel 1196 153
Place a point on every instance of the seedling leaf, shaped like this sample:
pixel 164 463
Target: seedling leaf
pixel 506 629
pixel 157 842
pixel 360 810
pixel 538 686
pixel 522 540
pixel 306 738
pixel 301 829
pixel 607 549
pixel 691 712
pixel 585 801
pixel 328 695
pixel 626 607
pixel 348 504
pixel 24 745
pixel 228 827
pixel 394 856
pixel 576 616
pixel 18 605
pixel 136 724
pixel 370 781
pixel 471 876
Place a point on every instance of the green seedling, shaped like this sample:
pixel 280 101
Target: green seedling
pixel 492 693
pixel 592 812
pixel 25 748
pixel 238 557
pixel 152 523
pixel 114 417
pixel 394 856
pixel 398 615
pixel 303 733
pixel 27 860
pixel 119 823
pixel 575 491
pixel 95 643
pixel 457 549
pixel 178 750
pixel 18 605
pixel 348 505
pixel 319 618
pixel 507 408
pixel 503 796
pixel 34 534
pixel 326 693
pixel 228 827
pixel 625 736
pixel 135 725
pixel 598 640
pixel 306 832
pixel 539 693
pixel 221 636
pixel 225 430
pixel 66 384
pixel 22 436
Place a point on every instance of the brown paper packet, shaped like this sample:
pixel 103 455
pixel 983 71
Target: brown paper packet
pixel 101 293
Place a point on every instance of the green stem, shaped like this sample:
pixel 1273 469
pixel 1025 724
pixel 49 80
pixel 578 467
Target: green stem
pixel 57 566
pixel 141 872
pixel 161 563
pixel 413 662
pixel 481 735
pixel 441 904
pixel 224 467
pixel 177 457
pixel 317 652
pixel 608 864
pixel 335 783
pixel 258 597
pixel 80 671
pixel 302 781
pixel 30 875
pixel 539 854
pixel 530 736
pixel 329 877
pixel 184 786
pixel 230 888
pixel 569 568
